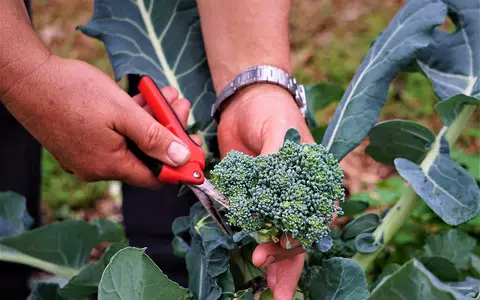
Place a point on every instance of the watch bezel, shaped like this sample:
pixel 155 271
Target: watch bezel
pixel 259 74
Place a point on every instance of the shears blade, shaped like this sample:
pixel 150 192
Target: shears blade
pixel 205 193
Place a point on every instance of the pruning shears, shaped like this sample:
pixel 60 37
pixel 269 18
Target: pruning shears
pixel 191 174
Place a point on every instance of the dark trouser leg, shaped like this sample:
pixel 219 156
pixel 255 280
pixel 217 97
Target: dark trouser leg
pixel 148 217
pixel 20 173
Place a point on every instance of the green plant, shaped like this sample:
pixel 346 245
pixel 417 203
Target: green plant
pixel 367 257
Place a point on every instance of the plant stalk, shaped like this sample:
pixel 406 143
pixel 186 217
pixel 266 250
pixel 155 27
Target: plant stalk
pixel 404 207
pixel 61 271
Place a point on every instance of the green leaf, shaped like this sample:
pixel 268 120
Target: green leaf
pixel 413 282
pixel 448 189
pixel 475 265
pixel 399 138
pixel 353 207
pixel 202 285
pixel 45 290
pixel 366 243
pixel 451 108
pixel 471 162
pixel 180 247
pixel 408 32
pixel 320 95
pixel 292 135
pixel 318 133
pixel 324 244
pixel 108 231
pixel 161 39
pixel 387 271
pixel 470 286
pixel 441 267
pixel 181 225
pixel 365 223
pixel 208 256
pixel 66 243
pixel 453 245
pixel 452 62
pixel 337 279
pixel 14 217
pixel 132 275
pixel 85 284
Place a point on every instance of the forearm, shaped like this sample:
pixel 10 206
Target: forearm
pixel 22 52
pixel 241 34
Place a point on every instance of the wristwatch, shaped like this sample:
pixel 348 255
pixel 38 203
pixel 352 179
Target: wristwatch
pixel 265 74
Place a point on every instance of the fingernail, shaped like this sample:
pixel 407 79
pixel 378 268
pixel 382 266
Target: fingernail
pixel 177 152
pixel 268 261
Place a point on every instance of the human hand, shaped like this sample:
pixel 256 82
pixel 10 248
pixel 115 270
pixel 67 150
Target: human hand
pixel 82 117
pixel 255 123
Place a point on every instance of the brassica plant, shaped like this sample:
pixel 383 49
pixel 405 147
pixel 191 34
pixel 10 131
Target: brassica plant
pixel 163 39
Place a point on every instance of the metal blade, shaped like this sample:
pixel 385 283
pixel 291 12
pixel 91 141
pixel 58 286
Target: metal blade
pixel 213 193
pixel 207 203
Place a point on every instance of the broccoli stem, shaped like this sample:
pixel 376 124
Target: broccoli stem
pixel 404 207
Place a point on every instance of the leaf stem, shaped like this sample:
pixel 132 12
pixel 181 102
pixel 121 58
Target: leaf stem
pixel 16 257
pixel 404 207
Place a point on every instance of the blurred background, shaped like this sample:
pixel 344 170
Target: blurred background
pixel 329 39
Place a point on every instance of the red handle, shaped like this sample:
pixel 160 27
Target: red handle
pixel 191 172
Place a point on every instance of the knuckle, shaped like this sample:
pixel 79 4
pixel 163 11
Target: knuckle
pixel 154 137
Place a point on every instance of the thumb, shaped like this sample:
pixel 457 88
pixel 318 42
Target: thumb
pixel 151 137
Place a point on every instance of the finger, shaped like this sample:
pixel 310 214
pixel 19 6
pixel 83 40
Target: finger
pixel 181 107
pixel 150 136
pixel 139 100
pixel 169 93
pixel 268 253
pixel 272 276
pixel 133 172
pixel 196 139
pixel 287 276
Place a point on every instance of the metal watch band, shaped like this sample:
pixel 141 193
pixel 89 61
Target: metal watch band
pixel 266 74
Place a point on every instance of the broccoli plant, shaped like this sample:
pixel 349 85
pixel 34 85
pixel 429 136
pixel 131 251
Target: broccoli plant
pixel 378 253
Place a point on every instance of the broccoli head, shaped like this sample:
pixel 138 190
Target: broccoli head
pixel 291 191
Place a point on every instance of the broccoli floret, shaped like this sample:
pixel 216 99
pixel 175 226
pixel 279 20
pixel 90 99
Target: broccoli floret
pixel 292 191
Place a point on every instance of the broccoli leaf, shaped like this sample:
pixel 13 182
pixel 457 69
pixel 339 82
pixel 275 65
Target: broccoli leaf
pixel 110 232
pixel 452 62
pixel 292 135
pixel 365 223
pixel 320 95
pixel 441 267
pixel 470 286
pixel 131 274
pixel 337 278
pixel 448 189
pixel 85 284
pixel 63 244
pixel 396 47
pixel 365 243
pixel 399 138
pixel 421 284
pixel 45 290
pixel 453 245
pixel 161 39
pixel 14 217
pixel 353 207
pixel 450 109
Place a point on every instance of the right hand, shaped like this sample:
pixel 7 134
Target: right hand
pixel 81 116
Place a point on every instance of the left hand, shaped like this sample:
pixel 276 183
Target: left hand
pixel 255 122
